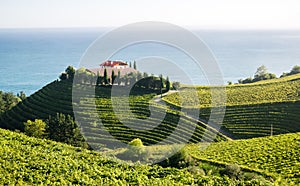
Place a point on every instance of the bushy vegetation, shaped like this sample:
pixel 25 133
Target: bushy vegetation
pixel 8 100
pixel 31 161
pixel 275 155
pixel 295 70
pixel 36 128
pixel 261 74
pixel 62 128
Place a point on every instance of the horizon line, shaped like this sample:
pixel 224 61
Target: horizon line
pixel 114 27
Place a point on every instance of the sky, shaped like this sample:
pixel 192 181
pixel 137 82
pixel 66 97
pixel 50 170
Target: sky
pixel 216 14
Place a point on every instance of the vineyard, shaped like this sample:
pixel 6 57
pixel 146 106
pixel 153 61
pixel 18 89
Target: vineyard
pixel 253 110
pixel 31 161
pixel 98 121
pixel 270 91
pixel 277 155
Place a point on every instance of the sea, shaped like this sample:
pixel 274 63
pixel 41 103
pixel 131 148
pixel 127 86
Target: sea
pixel 32 58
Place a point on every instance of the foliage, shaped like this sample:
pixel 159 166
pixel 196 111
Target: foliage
pixel 136 150
pixel 278 155
pixel 36 128
pixel 31 161
pixel 179 159
pixel 70 71
pixel 168 85
pixel 62 128
pixel 21 95
pixel 7 101
pixel 105 77
pixel 68 74
pixel 134 65
pixel 232 170
pixel 295 70
pixel 260 74
pixel 176 85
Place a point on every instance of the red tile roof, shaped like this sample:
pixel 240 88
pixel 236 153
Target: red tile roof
pixel 113 63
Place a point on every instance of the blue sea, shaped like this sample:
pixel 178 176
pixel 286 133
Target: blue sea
pixel 31 58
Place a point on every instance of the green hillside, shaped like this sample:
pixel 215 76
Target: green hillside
pixel 252 110
pixel 56 97
pixel 31 161
pixel 278 155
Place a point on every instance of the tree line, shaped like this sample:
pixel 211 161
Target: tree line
pixel 137 79
pixel 263 74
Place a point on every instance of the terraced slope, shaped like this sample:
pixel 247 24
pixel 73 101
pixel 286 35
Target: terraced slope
pixel 277 155
pixel 253 110
pixel 31 161
pixel 98 121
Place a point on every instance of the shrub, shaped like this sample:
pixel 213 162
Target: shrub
pixel 35 128
pixel 232 170
pixel 179 159
pixel 136 151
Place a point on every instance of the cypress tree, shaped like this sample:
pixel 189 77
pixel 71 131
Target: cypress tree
pixel 167 84
pixel 113 77
pixel 105 77
pixel 119 77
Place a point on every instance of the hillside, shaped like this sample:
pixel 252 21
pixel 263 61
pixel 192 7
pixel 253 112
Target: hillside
pixel 252 110
pixel 278 155
pixel 151 126
pixel 31 161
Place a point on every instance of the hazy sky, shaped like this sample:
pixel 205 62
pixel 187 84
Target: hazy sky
pixel 243 14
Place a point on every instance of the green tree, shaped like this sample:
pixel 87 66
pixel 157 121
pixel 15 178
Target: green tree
pixel 63 76
pixel 113 77
pixel 134 65
pixel 105 77
pixel 167 84
pixel 130 64
pixel 260 72
pixel 295 70
pixel 21 95
pixel 62 128
pixel 8 101
pixel 176 85
pixel 70 72
pixel 161 84
pixel 36 128
pixel 119 77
